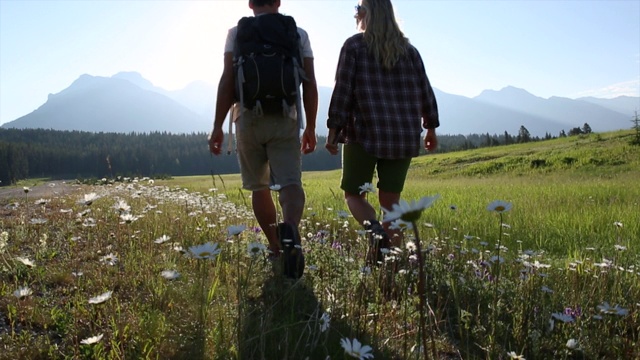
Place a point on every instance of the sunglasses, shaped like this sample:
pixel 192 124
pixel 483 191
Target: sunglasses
pixel 358 8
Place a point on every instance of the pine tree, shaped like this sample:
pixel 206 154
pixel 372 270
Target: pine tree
pixel 636 127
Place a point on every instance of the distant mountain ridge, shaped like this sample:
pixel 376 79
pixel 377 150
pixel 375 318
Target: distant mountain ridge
pixel 127 102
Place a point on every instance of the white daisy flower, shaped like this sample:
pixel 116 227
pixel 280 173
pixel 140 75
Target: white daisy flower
pixel 325 322
pixel 499 206
pixel 367 188
pixel 162 239
pixel 89 198
pixel 26 261
pixel 236 229
pixel 92 340
pixel 22 292
pixel 205 251
pixel 356 349
pixel 101 298
pixel 409 211
pixel 255 249
pixel 170 274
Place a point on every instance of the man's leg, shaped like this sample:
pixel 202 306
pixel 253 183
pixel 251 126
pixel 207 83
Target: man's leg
pixel 265 211
pixel 292 200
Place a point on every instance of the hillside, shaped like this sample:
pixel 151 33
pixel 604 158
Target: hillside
pixel 606 154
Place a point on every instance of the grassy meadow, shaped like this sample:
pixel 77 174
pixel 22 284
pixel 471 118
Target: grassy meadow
pixel 176 269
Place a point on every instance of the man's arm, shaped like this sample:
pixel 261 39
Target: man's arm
pixel 310 99
pixel 224 101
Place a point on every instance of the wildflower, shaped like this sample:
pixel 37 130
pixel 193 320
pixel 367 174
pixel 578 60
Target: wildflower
pixel 616 310
pixel 236 229
pixel 205 251
pixel 409 211
pixel 275 187
pixel 453 207
pixel 89 198
pixel 26 189
pixel 162 239
pixel 618 224
pixel 170 274
pixel 4 240
pixel 122 207
pixel 41 202
pixel 89 222
pixel 546 289
pixel 563 317
pixel 26 261
pixel 255 249
pixel 22 292
pixel 92 340
pixel 367 188
pixel 343 214
pixel 110 259
pixel 101 298
pixel 398 224
pixel 355 349
pixel 513 355
pixel 410 246
pixel 499 206
pixel 620 247
pixel 128 218
pixel 573 344
pixel 38 221
pixel 325 321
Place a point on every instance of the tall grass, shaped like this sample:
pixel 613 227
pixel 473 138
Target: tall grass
pixel 554 277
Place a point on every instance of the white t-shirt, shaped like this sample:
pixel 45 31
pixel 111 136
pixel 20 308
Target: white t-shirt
pixel 305 45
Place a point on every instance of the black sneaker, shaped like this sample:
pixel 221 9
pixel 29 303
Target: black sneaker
pixel 292 251
pixel 378 240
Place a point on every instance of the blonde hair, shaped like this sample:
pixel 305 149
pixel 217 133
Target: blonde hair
pixel 383 36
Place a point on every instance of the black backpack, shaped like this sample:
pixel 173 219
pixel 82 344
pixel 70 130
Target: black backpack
pixel 267 61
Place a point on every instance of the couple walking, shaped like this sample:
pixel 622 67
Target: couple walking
pixel 381 102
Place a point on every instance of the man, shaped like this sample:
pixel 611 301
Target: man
pixel 269 148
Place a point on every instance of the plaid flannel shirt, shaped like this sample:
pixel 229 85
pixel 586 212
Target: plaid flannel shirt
pixel 384 110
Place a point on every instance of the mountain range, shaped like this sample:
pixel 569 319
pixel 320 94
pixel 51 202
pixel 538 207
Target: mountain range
pixel 126 102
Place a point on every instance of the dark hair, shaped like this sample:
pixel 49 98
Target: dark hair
pixel 262 2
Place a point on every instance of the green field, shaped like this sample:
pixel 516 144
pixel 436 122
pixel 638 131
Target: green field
pixel 554 277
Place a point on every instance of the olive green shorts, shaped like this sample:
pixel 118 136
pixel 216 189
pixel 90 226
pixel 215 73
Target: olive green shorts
pixel 358 167
pixel 268 151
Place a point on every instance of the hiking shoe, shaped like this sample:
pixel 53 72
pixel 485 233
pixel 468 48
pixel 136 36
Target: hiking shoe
pixel 290 243
pixel 378 240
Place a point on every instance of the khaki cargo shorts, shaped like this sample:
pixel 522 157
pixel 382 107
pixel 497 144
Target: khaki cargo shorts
pixel 268 150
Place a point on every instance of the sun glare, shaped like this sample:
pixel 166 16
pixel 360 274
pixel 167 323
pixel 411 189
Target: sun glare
pixel 194 46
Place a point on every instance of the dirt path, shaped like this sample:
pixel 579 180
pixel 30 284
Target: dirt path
pixel 48 190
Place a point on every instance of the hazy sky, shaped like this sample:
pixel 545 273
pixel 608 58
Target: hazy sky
pixel 550 48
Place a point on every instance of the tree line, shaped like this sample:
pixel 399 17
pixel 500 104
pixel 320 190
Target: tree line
pixel 32 153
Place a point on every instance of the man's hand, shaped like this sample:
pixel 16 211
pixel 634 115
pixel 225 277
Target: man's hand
pixel 431 140
pixel 215 141
pixel 308 141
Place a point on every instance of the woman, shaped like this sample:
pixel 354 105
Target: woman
pixel 380 104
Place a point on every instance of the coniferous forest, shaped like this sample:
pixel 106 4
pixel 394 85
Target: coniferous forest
pixel 33 153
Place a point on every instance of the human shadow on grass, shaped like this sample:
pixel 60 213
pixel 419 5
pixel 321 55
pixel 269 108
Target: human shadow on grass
pixel 284 322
